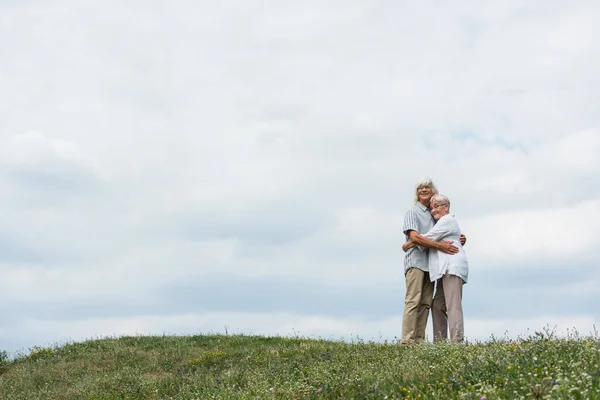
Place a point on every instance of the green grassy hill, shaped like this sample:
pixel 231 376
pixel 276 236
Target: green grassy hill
pixel 251 367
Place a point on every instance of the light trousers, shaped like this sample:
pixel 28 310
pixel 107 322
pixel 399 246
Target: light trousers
pixel 446 311
pixel 417 302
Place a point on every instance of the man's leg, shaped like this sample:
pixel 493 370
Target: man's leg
pixel 438 313
pixel 424 306
pixel 414 285
pixel 453 293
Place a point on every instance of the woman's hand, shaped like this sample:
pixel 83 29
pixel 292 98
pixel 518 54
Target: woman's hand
pixel 407 245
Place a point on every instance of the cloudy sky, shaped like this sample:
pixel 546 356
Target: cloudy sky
pixel 199 166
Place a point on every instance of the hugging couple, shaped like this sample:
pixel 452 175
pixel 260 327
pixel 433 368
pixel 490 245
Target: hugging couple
pixel 434 255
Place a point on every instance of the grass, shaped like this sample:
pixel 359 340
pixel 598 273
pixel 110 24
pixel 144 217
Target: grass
pixel 253 367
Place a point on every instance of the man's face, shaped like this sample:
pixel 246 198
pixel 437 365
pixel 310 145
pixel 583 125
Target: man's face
pixel 425 193
pixel 439 209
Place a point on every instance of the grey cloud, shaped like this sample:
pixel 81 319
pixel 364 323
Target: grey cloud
pixel 269 221
pixel 29 251
pixel 64 182
pixel 520 294
pixel 13 250
pixel 493 295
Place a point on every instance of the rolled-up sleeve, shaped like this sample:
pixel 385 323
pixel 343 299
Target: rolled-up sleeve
pixel 411 222
pixel 443 228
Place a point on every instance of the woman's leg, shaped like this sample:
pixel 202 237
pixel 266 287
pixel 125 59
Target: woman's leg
pixel 453 286
pixel 438 313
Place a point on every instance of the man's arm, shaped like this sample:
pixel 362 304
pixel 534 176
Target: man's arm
pixel 463 239
pixel 420 240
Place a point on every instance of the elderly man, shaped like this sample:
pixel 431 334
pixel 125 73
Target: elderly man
pixel 419 287
pixel 451 272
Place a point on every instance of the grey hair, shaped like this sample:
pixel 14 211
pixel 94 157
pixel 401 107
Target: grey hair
pixel 441 198
pixel 425 182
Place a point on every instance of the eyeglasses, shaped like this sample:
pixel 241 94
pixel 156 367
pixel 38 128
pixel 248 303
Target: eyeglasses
pixel 438 205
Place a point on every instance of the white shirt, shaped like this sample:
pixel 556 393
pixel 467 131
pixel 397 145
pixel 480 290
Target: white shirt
pixel 447 229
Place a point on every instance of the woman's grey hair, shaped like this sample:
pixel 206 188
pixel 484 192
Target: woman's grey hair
pixel 441 199
pixel 425 182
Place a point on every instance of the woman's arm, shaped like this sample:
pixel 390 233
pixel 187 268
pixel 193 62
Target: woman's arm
pixel 421 242
pixel 443 228
pixel 408 245
pixel 446 226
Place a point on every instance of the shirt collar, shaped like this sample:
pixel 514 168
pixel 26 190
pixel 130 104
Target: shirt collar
pixel 422 207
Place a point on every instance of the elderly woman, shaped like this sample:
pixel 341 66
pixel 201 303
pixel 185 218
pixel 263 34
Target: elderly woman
pixel 449 270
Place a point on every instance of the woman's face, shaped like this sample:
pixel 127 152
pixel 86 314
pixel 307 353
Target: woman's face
pixel 439 209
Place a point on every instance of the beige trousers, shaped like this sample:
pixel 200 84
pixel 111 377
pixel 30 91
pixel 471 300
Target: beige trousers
pixel 417 302
pixel 446 310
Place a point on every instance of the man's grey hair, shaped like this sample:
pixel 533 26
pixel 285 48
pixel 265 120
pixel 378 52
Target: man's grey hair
pixel 440 198
pixel 425 182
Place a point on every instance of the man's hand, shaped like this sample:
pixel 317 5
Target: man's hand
pixel 447 247
pixel 463 239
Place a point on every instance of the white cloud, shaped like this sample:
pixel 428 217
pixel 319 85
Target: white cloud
pixel 553 237
pixel 144 146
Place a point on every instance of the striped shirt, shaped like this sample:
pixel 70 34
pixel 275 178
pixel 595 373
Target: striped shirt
pixel 417 219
